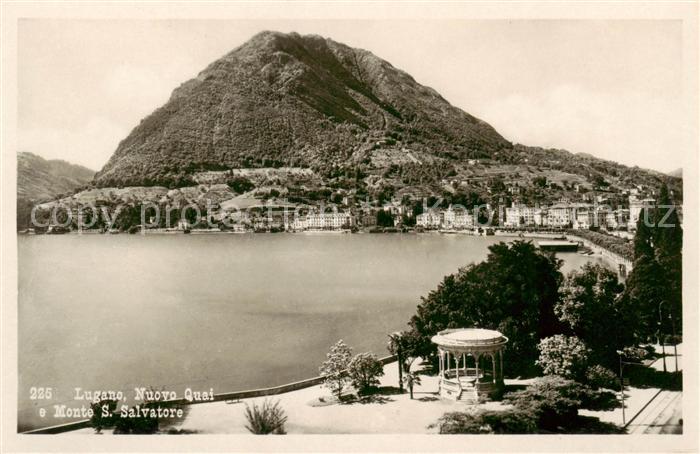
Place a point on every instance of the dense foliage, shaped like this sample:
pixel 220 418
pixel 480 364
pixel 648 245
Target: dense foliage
pixel 591 304
pixel 601 377
pixel 514 291
pixel 364 371
pixel 101 419
pixel 565 356
pixel 510 421
pixel 240 184
pixel 554 401
pixel 654 286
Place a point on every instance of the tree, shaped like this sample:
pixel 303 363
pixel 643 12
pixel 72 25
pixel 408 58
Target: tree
pixel 411 379
pixel 655 283
pixel 407 346
pixel 240 185
pixel 563 356
pixel 514 291
pixel 334 369
pixel 591 303
pixel 364 371
pixel 384 219
pixel 669 255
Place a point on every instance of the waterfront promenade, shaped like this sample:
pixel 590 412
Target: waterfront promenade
pixel 648 409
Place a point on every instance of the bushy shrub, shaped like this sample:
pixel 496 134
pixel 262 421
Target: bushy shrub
pixel 552 401
pixel 634 354
pixel 599 400
pixel 269 418
pixel 240 185
pixel 563 355
pixel 510 421
pixel 138 424
pixel 602 377
pixel 99 419
pixel 364 371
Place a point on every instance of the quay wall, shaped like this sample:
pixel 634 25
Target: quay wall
pixel 620 264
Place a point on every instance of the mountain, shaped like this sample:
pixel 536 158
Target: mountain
pixel 39 179
pixel 301 101
pixel 314 120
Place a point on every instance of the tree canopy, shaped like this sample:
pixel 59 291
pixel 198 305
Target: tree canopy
pixel 654 286
pixel 592 309
pixel 514 291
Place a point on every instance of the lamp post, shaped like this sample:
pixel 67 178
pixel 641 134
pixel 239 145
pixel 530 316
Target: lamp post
pixel 661 337
pixel 622 387
pixel 673 333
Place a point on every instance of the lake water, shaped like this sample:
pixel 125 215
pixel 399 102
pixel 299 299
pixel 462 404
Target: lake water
pixel 232 312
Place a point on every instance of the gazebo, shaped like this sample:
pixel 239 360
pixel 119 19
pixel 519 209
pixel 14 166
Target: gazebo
pixel 471 362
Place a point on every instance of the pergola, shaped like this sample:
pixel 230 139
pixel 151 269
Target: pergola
pixel 460 381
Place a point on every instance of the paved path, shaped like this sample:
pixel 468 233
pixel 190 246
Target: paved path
pixel 661 416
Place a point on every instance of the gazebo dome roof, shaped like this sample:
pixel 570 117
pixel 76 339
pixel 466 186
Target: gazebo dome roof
pixel 469 337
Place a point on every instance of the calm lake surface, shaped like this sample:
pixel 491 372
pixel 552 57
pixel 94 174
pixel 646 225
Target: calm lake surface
pixel 232 312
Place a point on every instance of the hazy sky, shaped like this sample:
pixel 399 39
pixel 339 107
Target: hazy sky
pixel 608 88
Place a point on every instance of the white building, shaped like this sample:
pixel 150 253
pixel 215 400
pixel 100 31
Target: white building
pixel 636 207
pixel 559 215
pixel 430 219
pixel 323 221
pixel 457 219
pixel 584 219
pixel 521 215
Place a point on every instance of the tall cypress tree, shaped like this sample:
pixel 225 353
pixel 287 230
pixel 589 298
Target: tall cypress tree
pixel 669 255
pixel 654 285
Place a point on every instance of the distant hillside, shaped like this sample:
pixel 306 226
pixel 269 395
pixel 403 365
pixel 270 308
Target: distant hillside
pixel 40 180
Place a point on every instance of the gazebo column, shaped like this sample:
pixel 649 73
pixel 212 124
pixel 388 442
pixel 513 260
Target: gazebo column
pixel 493 367
pixel 442 364
pixel 457 368
pixel 500 374
pixel 446 364
pixel 476 363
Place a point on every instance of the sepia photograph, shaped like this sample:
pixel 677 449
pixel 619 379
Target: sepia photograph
pixel 298 219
